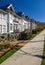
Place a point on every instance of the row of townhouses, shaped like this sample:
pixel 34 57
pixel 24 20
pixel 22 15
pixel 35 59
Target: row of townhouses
pixel 11 21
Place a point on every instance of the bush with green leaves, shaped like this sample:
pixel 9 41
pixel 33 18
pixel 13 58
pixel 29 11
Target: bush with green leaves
pixel 25 36
pixel 28 35
pixel 34 31
pixel 4 45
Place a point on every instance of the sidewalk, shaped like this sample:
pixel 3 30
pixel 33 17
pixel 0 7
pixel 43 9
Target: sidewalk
pixel 30 54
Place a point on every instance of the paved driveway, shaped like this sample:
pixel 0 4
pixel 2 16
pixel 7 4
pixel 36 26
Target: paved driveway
pixel 30 54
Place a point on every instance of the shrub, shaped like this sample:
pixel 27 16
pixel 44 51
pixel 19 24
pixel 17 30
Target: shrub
pixel 4 45
pixel 34 32
pixel 28 35
pixel 24 36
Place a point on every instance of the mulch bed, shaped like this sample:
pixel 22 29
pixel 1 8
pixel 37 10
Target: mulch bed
pixel 20 43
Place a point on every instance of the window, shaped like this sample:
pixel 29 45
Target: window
pixel 15 26
pixel 3 16
pixel 0 28
pixel 4 28
pixel 25 25
pixel 16 19
pixel 10 26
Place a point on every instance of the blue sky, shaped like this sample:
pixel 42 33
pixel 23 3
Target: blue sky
pixel 33 8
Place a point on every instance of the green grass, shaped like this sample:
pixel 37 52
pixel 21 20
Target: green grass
pixel 32 36
pixel 43 59
pixel 8 54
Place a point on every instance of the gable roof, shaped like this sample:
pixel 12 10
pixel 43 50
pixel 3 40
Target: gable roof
pixel 7 7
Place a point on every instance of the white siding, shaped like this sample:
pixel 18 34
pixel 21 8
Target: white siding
pixel 25 24
pixel 20 25
pixel 3 22
pixel 11 18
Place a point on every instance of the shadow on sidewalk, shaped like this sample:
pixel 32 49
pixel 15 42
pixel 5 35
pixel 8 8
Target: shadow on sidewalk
pixel 40 56
pixel 26 53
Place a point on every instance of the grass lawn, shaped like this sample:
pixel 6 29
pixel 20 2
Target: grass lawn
pixel 8 54
pixel 33 35
pixel 43 59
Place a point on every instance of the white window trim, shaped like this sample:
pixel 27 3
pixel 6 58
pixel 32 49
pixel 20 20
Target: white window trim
pixel 1 29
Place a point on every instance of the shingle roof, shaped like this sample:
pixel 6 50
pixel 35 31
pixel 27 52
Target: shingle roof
pixel 20 13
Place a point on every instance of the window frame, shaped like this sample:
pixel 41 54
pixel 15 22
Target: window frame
pixel 11 26
pixel 15 26
pixel 1 29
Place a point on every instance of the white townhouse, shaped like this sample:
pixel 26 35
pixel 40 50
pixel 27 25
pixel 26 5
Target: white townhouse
pixel 25 22
pixel 28 23
pixel 33 24
pixel 10 21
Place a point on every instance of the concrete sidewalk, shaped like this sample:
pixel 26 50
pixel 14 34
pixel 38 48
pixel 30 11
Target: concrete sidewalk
pixel 30 54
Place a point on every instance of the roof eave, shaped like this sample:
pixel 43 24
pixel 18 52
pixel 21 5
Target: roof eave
pixel 3 11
